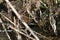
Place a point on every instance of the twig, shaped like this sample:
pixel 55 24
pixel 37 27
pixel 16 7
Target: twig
pixel 53 23
pixel 5 30
pixel 41 35
pixel 18 35
pixel 43 3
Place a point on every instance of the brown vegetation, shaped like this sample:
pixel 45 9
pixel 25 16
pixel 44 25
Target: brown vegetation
pixel 17 15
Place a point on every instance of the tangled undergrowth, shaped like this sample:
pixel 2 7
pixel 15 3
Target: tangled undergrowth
pixel 30 19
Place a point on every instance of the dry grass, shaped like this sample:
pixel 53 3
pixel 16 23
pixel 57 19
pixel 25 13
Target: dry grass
pixel 20 13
